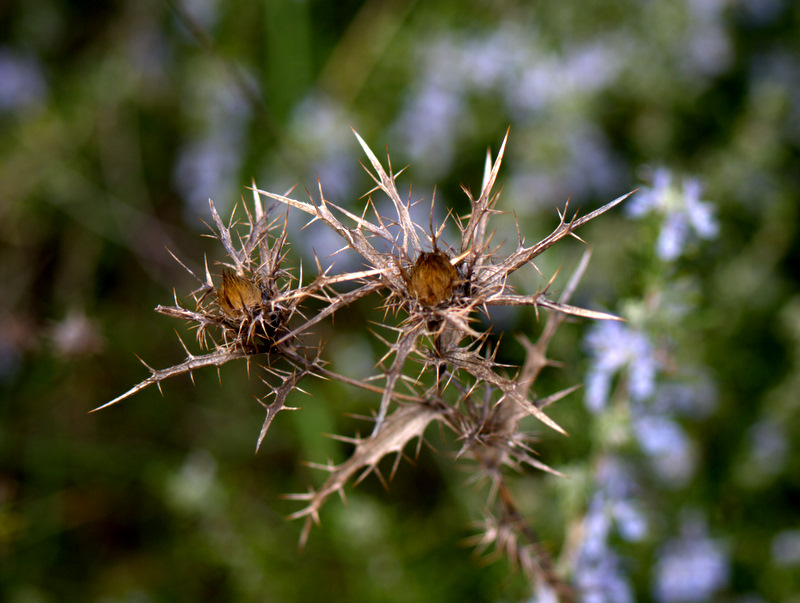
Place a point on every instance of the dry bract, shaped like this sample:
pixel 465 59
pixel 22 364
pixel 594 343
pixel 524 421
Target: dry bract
pixel 237 294
pixel 431 278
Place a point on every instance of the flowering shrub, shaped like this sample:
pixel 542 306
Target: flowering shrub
pixel 634 383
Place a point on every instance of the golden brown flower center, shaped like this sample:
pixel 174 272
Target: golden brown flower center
pixel 237 293
pixel 432 278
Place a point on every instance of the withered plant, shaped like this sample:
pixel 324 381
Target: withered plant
pixel 246 315
pixel 443 361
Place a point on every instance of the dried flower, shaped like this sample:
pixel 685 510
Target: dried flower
pixel 681 210
pixel 237 294
pixel 431 278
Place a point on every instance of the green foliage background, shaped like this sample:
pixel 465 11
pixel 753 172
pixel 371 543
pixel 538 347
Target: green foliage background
pixel 161 498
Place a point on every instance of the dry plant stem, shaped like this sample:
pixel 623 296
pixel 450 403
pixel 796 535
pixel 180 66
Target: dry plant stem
pixel 281 392
pixel 504 420
pixel 192 363
pixel 403 425
pixel 533 555
pixel 536 355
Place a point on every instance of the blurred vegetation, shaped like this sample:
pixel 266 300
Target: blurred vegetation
pixel 119 119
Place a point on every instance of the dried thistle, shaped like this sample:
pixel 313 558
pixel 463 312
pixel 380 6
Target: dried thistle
pixel 421 291
pixel 246 315
pixel 441 293
pixel 438 290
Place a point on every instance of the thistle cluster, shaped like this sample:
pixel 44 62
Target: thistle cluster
pixel 438 366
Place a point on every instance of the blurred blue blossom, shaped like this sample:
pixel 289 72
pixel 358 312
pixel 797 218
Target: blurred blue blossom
pixel 695 397
pixel 511 63
pixel 668 446
pixel 708 50
pixel 769 447
pixel 319 124
pixel 208 162
pixel 588 166
pixel 618 490
pixel 544 78
pixel 544 594
pixel 761 12
pixel 593 167
pixel 786 548
pixel 631 361
pixel 428 122
pixel 682 211
pixel 598 571
pixel 204 170
pixel 204 12
pixel 692 567
pixel 614 346
pixel 23 84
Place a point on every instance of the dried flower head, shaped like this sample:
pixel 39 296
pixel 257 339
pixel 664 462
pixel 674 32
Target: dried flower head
pixel 431 278
pixel 237 295
pixel 249 314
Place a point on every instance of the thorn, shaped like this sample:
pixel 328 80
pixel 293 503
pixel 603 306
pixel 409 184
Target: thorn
pixel 349 440
pixel 189 355
pixel 396 463
pixel 149 368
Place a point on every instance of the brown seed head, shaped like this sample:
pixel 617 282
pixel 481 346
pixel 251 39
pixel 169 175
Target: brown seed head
pixel 431 278
pixel 237 293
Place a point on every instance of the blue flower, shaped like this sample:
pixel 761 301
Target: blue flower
pixel 617 488
pixel 691 567
pixel 669 447
pixel 598 573
pixel 682 211
pixel 23 82
pixel 614 346
pixel 786 548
